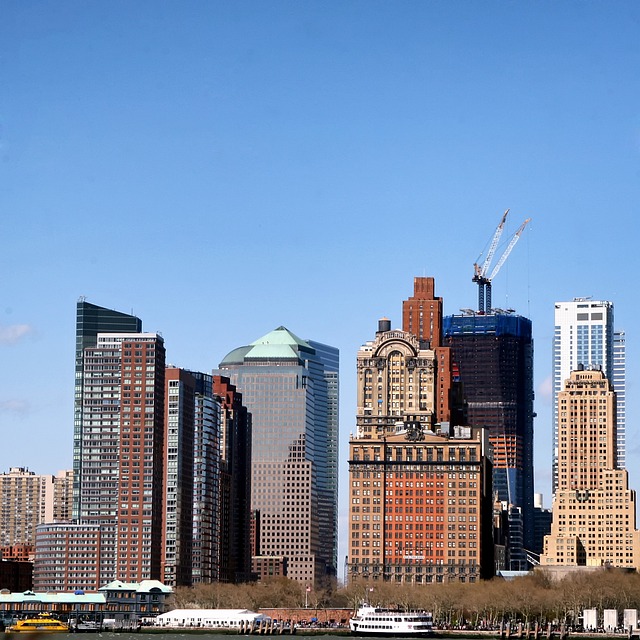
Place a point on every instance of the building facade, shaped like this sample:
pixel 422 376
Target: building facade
pixel 122 452
pixel 619 379
pixel 420 495
pixel 91 319
pixel 123 603
pixel 205 545
pixel 177 530
pixel 118 457
pixel 584 336
pixel 66 557
pixel 331 361
pixel 422 317
pixel 207 481
pixel 493 355
pixel 15 575
pixel 27 500
pixel 283 383
pixel 594 511
pixel 63 496
pixel 234 510
pixel 542 519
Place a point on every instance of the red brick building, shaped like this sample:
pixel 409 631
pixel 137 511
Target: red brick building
pixel 420 491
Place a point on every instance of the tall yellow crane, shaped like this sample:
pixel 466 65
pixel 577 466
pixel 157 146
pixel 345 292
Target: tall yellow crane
pixel 480 272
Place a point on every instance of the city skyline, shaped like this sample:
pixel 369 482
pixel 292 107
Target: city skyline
pixel 287 142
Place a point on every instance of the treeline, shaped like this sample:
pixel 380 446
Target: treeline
pixel 533 598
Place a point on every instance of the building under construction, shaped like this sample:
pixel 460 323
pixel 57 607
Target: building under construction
pixel 492 356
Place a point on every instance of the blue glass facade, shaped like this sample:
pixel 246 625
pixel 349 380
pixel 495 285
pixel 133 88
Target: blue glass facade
pixel 494 354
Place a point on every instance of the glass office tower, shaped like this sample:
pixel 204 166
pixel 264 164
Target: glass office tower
pixel 331 359
pixel 284 384
pixel 584 336
pixel 494 357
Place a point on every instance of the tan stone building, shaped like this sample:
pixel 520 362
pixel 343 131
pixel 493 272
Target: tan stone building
pixel 420 492
pixel 62 496
pixel 594 511
pixel 28 499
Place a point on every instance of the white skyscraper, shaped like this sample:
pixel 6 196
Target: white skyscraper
pixel 584 335
pixel 619 385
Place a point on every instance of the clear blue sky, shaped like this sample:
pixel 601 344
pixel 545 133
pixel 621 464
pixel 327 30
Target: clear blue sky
pixel 222 168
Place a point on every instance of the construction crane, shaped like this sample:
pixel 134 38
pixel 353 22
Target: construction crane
pixel 480 272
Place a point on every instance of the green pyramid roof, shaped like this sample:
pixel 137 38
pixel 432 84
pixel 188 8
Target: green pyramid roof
pixel 279 344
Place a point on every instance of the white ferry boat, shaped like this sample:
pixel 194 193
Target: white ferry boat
pixel 370 621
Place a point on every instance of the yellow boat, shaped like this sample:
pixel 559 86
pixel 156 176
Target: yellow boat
pixel 42 623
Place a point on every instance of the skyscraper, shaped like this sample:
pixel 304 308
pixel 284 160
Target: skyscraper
pixel 594 511
pixel 331 360
pixel 118 458
pixel 121 452
pixel 206 481
pixel 284 386
pixel 234 503
pixel 584 336
pixel 420 492
pixel 178 498
pixel 422 316
pixel 91 320
pixel 493 354
pixel 618 378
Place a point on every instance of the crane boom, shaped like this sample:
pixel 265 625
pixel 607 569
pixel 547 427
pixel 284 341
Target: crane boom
pixel 482 271
pixel 507 251
pixel 480 276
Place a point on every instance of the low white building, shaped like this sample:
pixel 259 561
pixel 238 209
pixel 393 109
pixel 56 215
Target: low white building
pixel 630 619
pixel 610 620
pixel 211 618
pixel 590 619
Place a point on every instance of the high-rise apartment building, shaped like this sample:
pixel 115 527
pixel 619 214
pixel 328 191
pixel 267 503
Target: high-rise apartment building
pixel 283 383
pixel 234 510
pixel 27 500
pixel 177 530
pixel 63 497
pixel 205 543
pixel 118 457
pixel 493 356
pixel 420 492
pixel 207 481
pixel 594 511
pixel 121 473
pixel 584 336
pixel 91 319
